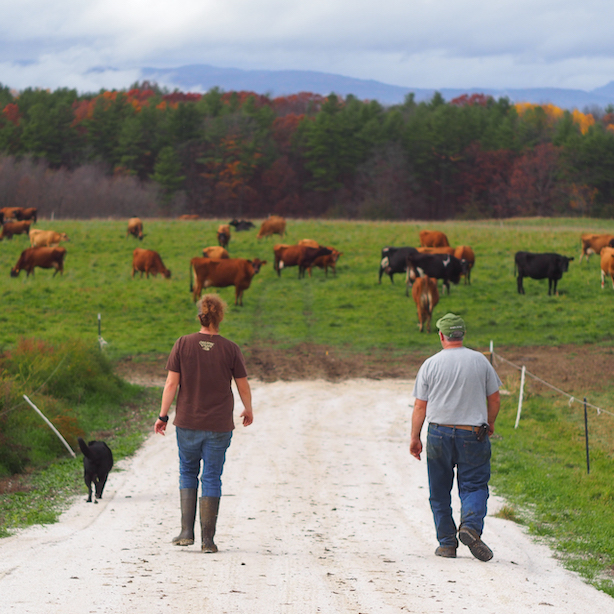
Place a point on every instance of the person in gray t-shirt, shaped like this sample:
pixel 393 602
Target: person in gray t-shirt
pixel 457 392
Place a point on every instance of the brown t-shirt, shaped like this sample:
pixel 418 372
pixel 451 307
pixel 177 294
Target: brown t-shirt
pixel 206 364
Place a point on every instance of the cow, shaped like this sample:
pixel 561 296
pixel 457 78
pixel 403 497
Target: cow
pixel 220 273
pixel 10 213
pixel 14 228
pixel 466 255
pixel 330 260
pixel 273 225
pixel 43 257
pixel 29 213
pixel 189 217
pixel 148 261
pixel 440 266
pixel 426 296
pixel 135 228
pixel 240 225
pixel 540 266
pixel 394 260
pixel 593 244
pixel 433 238
pixel 215 252
pixel 223 235
pixel 607 265
pixel 302 256
pixel 46 238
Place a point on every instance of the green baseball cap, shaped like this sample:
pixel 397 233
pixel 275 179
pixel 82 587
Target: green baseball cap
pixel 452 326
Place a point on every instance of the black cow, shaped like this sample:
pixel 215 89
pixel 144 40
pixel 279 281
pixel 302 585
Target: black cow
pixel 394 260
pixel 241 224
pixel 540 266
pixel 440 266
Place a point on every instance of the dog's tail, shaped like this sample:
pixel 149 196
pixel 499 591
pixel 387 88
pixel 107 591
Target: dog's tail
pixel 84 448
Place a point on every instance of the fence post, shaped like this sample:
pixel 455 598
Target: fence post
pixel 588 462
pixel 492 349
pixel 520 396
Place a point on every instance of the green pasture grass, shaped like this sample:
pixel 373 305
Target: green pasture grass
pixel 351 310
pixel 540 468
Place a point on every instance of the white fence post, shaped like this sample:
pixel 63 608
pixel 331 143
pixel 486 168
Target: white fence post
pixel 520 396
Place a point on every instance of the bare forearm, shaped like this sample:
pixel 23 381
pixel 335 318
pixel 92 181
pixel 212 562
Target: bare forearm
pixel 493 403
pixel 245 393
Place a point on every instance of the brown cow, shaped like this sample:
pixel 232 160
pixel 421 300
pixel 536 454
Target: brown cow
pixel 215 252
pixel 302 256
pixel 467 257
pixel 426 297
pixel 593 244
pixel 433 238
pixel 607 265
pixel 223 235
pixel 14 228
pixel 43 257
pixel 220 273
pixel 46 238
pixel 148 261
pixel 436 250
pixel 135 228
pixel 330 260
pixel 10 213
pixel 273 225
pixel 189 216
pixel 29 213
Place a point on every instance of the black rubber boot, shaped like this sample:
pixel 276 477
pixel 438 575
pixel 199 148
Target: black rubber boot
pixel 187 497
pixel 209 507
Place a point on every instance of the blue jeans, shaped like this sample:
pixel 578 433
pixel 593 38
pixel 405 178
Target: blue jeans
pixel 206 446
pixel 447 448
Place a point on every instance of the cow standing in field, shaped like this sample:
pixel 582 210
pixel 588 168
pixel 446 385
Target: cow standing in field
pixel 273 225
pixel 433 238
pixel 467 257
pixel 540 266
pixel 148 261
pixel 135 228
pixel 240 225
pixel 440 266
pixel 394 260
pixel 14 228
pixel 426 296
pixel 607 265
pixel 302 256
pixel 329 260
pixel 43 257
pixel 10 213
pixel 223 235
pixel 46 238
pixel 215 251
pixel 214 273
pixel 29 213
pixel 593 244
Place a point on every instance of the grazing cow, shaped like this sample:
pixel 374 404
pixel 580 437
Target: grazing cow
pixel 302 256
pixel 43 257
pixel 426 296
pixel 29 213
pixel 440 266
pixel 240 225
pixel 433 238
pixel 14 228
pixel 540 266
pixel 607 265
pixel 394 260
pixel 215 252
pixel 46 238
pixel 10 213
pixel 593 244
pixel 189 217
pixel 466 255
pixel 135 228
pixel 330 260
pixel 220 273
pixel 147 261
pixel 273 225
pixel 223 235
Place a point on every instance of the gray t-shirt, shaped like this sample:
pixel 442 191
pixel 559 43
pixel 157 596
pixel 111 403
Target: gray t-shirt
pixel 455 383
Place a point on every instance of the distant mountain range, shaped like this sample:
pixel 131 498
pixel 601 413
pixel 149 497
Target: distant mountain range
pixel 202 77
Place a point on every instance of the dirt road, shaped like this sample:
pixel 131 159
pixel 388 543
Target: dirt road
pixel 323 511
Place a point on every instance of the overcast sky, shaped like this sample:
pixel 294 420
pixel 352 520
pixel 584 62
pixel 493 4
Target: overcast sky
pixel 89 44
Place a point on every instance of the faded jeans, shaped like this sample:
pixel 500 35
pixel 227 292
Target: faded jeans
pixel 446 448
pixel 206 446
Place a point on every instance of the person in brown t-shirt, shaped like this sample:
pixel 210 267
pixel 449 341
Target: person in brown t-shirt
pixel 202 366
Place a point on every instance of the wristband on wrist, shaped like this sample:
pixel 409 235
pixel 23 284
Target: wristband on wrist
pixel 163 418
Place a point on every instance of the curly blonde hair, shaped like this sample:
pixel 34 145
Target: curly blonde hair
pixel 211 311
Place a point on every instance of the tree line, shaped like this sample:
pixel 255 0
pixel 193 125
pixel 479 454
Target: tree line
pixel 148 151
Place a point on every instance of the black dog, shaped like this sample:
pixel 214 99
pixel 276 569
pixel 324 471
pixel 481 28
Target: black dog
pixel 97 462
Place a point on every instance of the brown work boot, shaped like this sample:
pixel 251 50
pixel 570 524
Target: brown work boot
pixel 472 540
pixel 447 552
